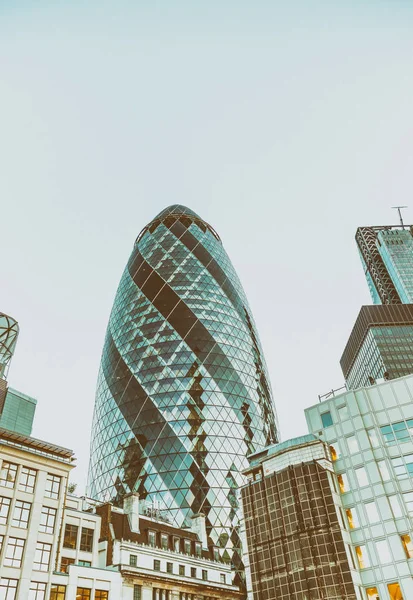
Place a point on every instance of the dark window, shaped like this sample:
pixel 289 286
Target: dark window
pixel 27 480
pixel 151 538
pixel 133 560
pixel 42 557
pixel 204 575
pixel 326 419
pixel 193 571
pixel 182 570
pixel 8 474
pixel 216 554
pixel 187 547
pixel 65 562
pixel 169 567
pixel 21 514
pixel 223 578
pixel 164 542
pixel 83 593
pixel 84 563
pixel 137 592
pixel 47 519
pixel 4 510
pixel 70 539
pixel 86 540
pixel 198 549
pixel 37 591
pixel 101 595
pixel 52 486
pixel 57 592
pixel 14 553
pixel 156 565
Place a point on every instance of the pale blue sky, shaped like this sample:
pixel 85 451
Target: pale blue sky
pixel 284 124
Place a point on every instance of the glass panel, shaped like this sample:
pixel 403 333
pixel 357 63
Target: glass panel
pixel 326 419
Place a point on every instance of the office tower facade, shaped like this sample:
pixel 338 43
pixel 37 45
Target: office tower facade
pixel 387 257
pixel 370 432
pixel 9 331
pixel 296 543
pixel 183 393
pixel 380 345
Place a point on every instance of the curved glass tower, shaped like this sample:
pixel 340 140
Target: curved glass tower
pixel 183 394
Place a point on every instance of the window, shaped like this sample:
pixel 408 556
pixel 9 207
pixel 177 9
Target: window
pixel 137 592
pixel 403 466
pixel 42 556
pixel 27 480
pixel 222 578
pixel 52 486
pixel 65 562
pixel 14 553
pixel 1 543
pixel 8 474
pixel 397 432
pixel 156 565
pixel 384 471
pixel 395 591
pixel 407 545
pixel 169 567
pixel 343 413
pixel 204 575
pixel 21 514
pixel 361 475
pixel 133 560
pixel 4 510
pixel 164 541
pixel 187 546
pixel 198 549
pixel 352 444
pixel 84 563
pixel 47 519
pixel 216 554
pixel 83 593
pixel 326 419
pixel 193 571
pixel 151 538
pixel 70 539
pixel 8 588
pixel 343 482
pixel 372 593
pixel 57 592
pixel 182 570
pixel 395 505
pixel 383 552
pixel 176 544
pixel 362 557
pixel 86 539
pixel 352 518
pixel 374 440
pixel 37 591
pixel 372 512
pixel 335 452
pixel 101 595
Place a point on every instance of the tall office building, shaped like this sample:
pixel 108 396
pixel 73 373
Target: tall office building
pixel 183 394
pixel 16 409
pixel 380 345
pixel 387 256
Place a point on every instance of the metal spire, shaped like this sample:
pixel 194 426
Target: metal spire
pixel 398 208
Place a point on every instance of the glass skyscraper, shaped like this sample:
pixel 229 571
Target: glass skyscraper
pixel 387 257
pixel 183 393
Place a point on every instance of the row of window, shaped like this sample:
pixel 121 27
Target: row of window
pixel 181 569
pixel 21 515
pixel 186 546
pixel 13 555
pixel 383 551
pixel 393 589
pixel 27 479
pixel 65 562
pixel 70 539
pixel 8 591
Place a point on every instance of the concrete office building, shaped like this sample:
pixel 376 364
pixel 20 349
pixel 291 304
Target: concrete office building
pixel 297 544
pixel 370 431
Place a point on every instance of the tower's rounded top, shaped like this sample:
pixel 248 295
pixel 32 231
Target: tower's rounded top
pixel 177 213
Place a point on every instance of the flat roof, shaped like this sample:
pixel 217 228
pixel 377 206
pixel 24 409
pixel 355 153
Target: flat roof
pixel 31 443
pixel 258 457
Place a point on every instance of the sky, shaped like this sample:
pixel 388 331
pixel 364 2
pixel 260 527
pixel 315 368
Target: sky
pixel 286 125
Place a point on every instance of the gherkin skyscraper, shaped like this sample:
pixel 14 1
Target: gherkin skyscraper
pixel 183 394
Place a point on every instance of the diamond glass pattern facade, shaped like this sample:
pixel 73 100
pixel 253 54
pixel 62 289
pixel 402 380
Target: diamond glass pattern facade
pixel 183 394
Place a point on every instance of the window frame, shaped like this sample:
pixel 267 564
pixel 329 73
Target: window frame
pixel 86 539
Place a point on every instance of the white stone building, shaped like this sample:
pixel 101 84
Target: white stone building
pixel 370 432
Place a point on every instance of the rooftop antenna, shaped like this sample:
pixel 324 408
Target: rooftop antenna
pixel 398 208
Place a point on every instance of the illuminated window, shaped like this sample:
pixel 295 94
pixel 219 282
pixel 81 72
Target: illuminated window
pixel 65 562
pixel 326 419
pixel 57 592
pixel 372 512
pixel 372 593
pixel 383 552
pixel 86 539
pixel 361 475
pixel 352 518
pixel 83 593
pixel 407 545
pixel 343 483
pixel 362 557
pixel 101 595
pixel 395 592
pixel 335 452
pixel 70 538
